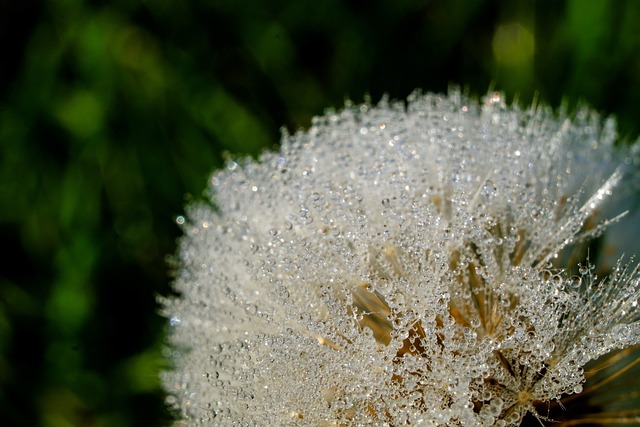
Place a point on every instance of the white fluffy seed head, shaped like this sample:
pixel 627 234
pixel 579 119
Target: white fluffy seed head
pixel 401 264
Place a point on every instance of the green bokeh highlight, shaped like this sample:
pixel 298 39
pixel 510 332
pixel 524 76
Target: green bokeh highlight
pixel 112 115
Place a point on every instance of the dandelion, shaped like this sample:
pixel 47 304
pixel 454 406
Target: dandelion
pixel 419 263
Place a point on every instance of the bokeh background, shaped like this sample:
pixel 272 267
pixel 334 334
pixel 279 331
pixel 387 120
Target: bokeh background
pixel 112 115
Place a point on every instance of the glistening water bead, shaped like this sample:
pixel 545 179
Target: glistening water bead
pixel 403 264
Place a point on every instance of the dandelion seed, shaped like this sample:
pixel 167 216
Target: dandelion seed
pixel 425 264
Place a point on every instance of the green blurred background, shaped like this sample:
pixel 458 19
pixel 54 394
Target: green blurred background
pixel 112 115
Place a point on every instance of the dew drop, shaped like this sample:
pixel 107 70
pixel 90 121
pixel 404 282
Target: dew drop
pixel 575 282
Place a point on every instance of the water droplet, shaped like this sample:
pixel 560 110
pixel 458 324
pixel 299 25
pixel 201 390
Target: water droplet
pixel 575 282
pixel 283 292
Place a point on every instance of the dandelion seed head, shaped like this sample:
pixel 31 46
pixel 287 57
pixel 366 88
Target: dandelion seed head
pixel 402 264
